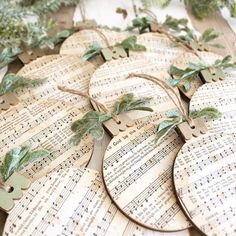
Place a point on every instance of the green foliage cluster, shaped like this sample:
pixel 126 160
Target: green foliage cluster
pixel 199 8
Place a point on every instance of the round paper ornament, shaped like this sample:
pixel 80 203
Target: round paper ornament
pixel 204 178
pixel 109 82
pixel 138 177
pixel 222 96
pixel 68 202
pixel 44 114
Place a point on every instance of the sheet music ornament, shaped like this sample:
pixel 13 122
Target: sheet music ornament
pixel 68 202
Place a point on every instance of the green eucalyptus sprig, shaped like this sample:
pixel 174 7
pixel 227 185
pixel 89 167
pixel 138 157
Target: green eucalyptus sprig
pixel 92 122
pixel 18 158
pixel 12 82
pixel 129 43
pixel 187 75
pixel 175 118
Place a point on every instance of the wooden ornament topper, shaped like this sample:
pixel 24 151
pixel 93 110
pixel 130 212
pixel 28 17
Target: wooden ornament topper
pixel 113 53
pixel 204 176
pixel 187 132
pixel 30 54
pixel 8 100
pixel 122 124
pixel 199 46
pixel 212 75
pixel 13 191
pixel 68 202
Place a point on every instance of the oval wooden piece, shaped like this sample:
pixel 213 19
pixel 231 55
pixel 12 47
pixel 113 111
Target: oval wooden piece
pixel 109 83
pixel 68 202
pixel 205 183
pixel 138 176
pixel 44 114
pixel 220 95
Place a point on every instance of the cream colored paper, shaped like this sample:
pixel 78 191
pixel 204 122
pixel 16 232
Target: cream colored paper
pixel 68 202
pixel 138 177
pixel 220 95
pixel 204 179
pixel 109 83
pixel 44 115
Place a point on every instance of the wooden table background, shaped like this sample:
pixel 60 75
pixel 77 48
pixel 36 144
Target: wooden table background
pixel 228 39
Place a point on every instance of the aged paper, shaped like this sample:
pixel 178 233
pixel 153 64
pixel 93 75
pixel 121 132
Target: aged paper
pixel 68 202
pixel 138 177
pixel 44 115
pixel 205 182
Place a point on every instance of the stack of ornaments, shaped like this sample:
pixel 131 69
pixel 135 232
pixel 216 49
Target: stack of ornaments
pixel 186 180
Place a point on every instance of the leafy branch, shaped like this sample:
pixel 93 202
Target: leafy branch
pixel 129 43
pixel 185 76
pixel 91 123
pixel 11 82
pixel 18 158
pixel 175 118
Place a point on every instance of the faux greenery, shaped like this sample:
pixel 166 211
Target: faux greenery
pixel 128 103
pixel 175 118
pixel 129 43
pixel 185 76
pixel 199 8
pixel 140 23
pixel 91 123
pixel 11 82
pixel 19 157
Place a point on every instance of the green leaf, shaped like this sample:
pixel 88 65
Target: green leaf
pixel 130 43
pixel 209 35
pixel 154 3
pixel 175 24
pixel 8 55
pixel 210 112
pixel 12 161
pixel 225 63
pixel 128 103
pixel 11 82
pixel 32 156
pixel 140 23
pixel 165 127
pixel 62 35
pixel 92 51
pixel 176 71
pixel 91 123
pixel 17 158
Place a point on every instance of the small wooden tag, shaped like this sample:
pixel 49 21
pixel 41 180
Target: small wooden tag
pixel 199 46
pixel 187 132
pixel 30 54
pixel 213 75
pixel 16 184
pixel 113 53
pixel 114 128
pixel 8 100
pixel 88 24
pixel 154 27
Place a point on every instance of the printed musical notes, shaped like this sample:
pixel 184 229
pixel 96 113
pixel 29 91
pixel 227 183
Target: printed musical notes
pixel 44 114
pixel 68 202
pixel 161 45
pixel 138 177
pixel 109 83
pixel 222 96
pixel 205 183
